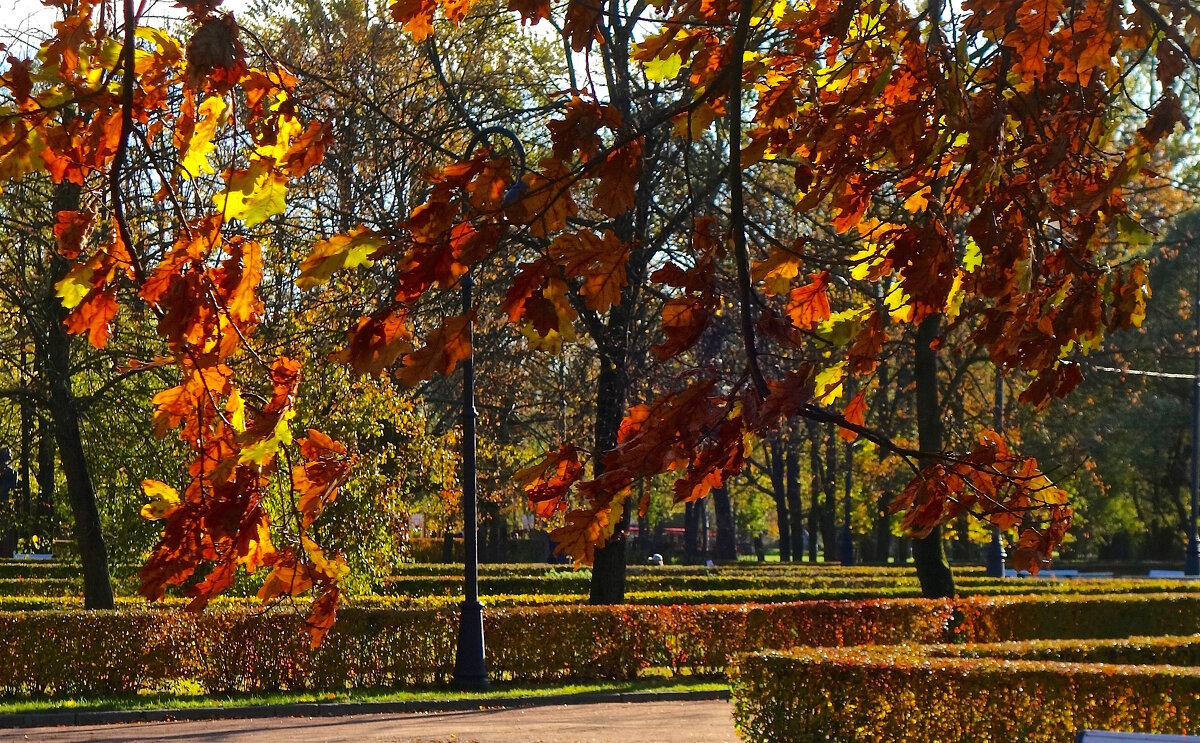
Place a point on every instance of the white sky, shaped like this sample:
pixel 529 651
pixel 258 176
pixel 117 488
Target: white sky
pixel 25 19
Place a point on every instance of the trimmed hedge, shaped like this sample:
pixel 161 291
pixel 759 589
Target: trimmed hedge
pixel 1169 650
pixel 79 652
pixel 38 587
pixel 236 648
pixel 1008 618
pixel 919 693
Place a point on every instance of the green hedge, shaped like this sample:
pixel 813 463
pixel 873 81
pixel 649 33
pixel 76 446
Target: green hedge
pixel 910 693
pixel 38 587
pixel 38 569
pixel 79 652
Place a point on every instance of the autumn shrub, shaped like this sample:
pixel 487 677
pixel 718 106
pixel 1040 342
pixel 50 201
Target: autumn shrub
pixel 79 652
pixel 1169 650
pixel 38 569
pixel 38 586
pixel 234 647
pixel 798 587
pixel 940 694
pixel 1002 618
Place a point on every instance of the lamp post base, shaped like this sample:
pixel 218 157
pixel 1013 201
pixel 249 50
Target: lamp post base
pixel 1191 560
pixel 995 556
pixel 846 547
pixel 470 668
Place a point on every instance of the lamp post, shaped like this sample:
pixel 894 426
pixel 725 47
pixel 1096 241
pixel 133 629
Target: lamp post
pixel 995 550
pixel 470 668
pixel 1191 560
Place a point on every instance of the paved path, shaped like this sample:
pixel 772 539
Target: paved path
pixel 622 722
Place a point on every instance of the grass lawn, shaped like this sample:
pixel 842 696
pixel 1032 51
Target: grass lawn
pixel 499 691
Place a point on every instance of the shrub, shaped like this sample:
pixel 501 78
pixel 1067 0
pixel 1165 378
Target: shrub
pixel 80 652
pixel 38 587
pixel 917 693
pixel 791 586
pixel 385 643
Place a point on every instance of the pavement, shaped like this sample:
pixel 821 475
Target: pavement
pixel 707 721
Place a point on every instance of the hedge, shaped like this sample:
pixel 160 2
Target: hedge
pixel 1008 618
pixel 237 648
pixel 814 586
pixel 1169 650
pixel 38 587
pixel 911 693
pixel 79 652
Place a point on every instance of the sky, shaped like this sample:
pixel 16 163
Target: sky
pixel 23 19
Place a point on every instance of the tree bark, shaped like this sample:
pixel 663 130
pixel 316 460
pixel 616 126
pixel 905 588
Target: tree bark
pixel 608 567
pixel 64 413
pixel 829 485
pixel 45 480
pixel 929 553
pixel 883 529
pixel 97 586
pixel 779 493
pixel 726 528
pixel 23 518
pixel 792 488
pixel 691 532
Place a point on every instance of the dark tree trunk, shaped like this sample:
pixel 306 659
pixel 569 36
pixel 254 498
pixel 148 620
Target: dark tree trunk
pixel 829 483
pixel 962 538
pixel 726 528
pixel 691 532
pixel 64 411
pixel 883 529
pixel 814 526
pixel 791 466
pixel 448 546
pixel 45 478
pixel 778 492
pixel 608 568
pixel 929 553
pixel 815 479
pixel 642 543
pixel 97 587
pixel 24 515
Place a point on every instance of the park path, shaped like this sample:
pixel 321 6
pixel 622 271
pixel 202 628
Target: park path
pixel 674 722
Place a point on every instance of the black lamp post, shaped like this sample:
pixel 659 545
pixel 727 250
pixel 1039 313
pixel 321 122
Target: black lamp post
pixel 995 550
pixel 1191 560
pixel 470 668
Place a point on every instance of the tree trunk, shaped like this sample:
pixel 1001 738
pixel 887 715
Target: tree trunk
pixel 726 528
pixel 829 483
pixel 883 529
pixel 97 587
pixel 24 512
pixel 45 480
pixel 608 568
pixel 64 412
pixel 781 505
pixel 814 526
pixel 691 532
pixel 642 543
pixel 791 466
pixel 929 554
